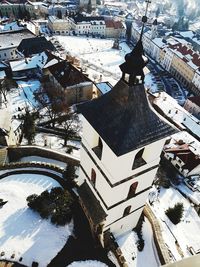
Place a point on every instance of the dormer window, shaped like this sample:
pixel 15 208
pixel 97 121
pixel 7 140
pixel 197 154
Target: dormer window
pixel 138 161
pixel 98 149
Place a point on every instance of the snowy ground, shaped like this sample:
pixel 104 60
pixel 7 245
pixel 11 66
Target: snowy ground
pixel 88 263
pixel 22 97
pixel 22 231
pixel 184 232
pixel 100 59
pixel 97 55
pixel 133 257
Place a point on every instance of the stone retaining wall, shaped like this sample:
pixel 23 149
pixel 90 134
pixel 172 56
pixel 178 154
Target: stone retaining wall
pixel 17 152
pixel 38 168
pixel 158 239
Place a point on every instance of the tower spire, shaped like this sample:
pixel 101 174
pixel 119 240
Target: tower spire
pixel 135 61
pixel 144 18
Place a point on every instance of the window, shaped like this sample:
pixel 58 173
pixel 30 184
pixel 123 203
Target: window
pixel 98 149
pixel 132 190
pixel 93 177
pixel 138 161
pixel 127 211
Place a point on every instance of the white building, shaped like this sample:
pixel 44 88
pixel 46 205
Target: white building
pixel 98 27
pixel 196 79
pixel 121 145
pixel 9 43
pixel 167 60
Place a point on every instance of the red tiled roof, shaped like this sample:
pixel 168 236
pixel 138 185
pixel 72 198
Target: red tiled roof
pixel 184 50
pixel 177 149
pixel 114 24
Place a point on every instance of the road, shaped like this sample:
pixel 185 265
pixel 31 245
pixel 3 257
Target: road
pixel 166 82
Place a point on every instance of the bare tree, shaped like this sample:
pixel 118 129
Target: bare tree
pixel 70 124
pixel 52 100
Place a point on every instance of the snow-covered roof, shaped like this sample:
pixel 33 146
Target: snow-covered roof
pixel 159 42
pixel 192 143
pixel 13 26
pixel 187 34
pixel 176 113
pixel 13 39
pixel 29 63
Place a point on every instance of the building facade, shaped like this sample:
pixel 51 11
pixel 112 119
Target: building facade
pixel 60 26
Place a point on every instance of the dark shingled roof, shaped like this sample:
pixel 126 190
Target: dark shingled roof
pixel 80 18
pixel 124 119
pixel 67 75
pixel 93 206
pixel 35 45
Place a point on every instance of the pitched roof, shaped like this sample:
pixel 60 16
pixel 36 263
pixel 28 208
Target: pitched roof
pixel 66 74
pixel 110 23
pixel 190 159
pixel 80 18
pixel 195 100
pixel 93 206
pixel 124 119
pixel 35 45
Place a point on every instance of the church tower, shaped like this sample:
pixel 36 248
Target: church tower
pixel 154 29
pixel 122 140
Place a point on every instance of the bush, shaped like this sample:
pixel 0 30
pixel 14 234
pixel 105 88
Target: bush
pixel 138 230
pixel 55 204
pixel 175 214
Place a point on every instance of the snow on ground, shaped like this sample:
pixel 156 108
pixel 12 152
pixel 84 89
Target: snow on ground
pixel 22 97
pixel 97 56
pixel 22 231
pixel 133 257
pixel 184 232
pixel 88 263
pixel 55 143
pixel 41 159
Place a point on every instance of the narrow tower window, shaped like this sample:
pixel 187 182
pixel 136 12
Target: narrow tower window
pixel 98 149
pixel 138 161
pixel 93 177
pixel 127 211
pixel 132 190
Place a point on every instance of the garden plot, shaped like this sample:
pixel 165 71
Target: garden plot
pixel 23 234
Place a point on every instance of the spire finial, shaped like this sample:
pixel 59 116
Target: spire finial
pixel 144 18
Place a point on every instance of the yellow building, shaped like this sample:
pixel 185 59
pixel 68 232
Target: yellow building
pixel 60 26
